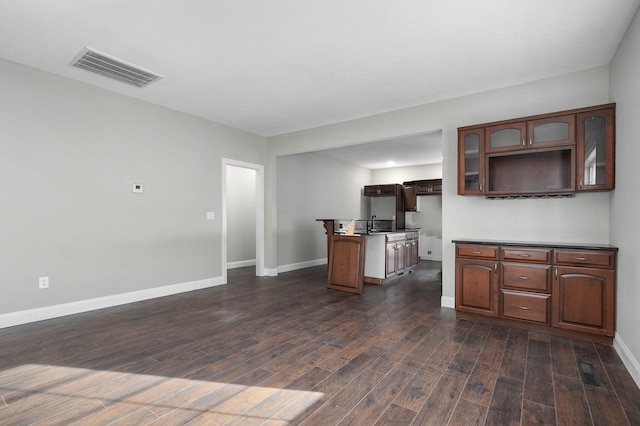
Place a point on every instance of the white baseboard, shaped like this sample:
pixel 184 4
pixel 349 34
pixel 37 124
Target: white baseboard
pixel 55 311
pixel 301 265
pixel 627 358
pixel 447 302
pixel 241 264
pixel 431 257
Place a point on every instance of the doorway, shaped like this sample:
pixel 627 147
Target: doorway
pixel 236 196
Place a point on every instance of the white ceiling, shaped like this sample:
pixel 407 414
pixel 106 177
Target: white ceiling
pixel 411 150
pixel 273 67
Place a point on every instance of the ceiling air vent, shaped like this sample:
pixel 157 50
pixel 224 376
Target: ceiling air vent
pixel 108 66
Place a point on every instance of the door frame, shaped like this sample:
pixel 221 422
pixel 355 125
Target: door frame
pixel 259 169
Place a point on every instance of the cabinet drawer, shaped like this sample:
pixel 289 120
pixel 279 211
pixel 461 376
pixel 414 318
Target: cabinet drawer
pixel 594 258
pixel 526 276
pixel 525 306
pixel 521 254
pixel 477 251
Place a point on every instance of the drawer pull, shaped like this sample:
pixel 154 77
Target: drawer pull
pixel 582 258
pixel 523 278
pixel 475 252
pixel 524 255
pixel 524 308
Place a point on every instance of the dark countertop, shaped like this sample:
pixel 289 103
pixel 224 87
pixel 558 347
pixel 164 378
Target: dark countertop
pixel 538 244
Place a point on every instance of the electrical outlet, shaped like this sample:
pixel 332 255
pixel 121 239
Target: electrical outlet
pixel 43 282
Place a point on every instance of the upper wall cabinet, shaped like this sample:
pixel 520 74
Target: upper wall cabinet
pixel 470 161
pixel 545 155
pixel 596 152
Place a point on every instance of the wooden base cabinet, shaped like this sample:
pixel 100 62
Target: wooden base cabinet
pixel 346 263
pixel 583 300
pixel 477 286
pixel 565 287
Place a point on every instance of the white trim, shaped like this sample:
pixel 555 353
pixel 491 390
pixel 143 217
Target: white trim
pixel 55 311
pixel 301 265
pixel 627 358
pixel 260 269
pixel 270 272
pixel 431 257
pixel 241 264
pixel 448 302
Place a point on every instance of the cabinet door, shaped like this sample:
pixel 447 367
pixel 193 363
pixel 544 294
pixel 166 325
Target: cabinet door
pixel 391 260
pixel 477 286
pixel 409 198
pixel 596 151
pixel 346 263
pixel 506 137
pixel 470 162
pixel 584 300
pixel 554 131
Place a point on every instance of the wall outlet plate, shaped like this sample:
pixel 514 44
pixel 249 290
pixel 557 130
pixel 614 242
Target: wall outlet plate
pixel 138 188
pixel 211 215
pixel 43 282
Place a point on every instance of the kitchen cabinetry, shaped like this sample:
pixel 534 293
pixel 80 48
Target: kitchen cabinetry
pixel 532 134
pixel 417 188
pixel 477 279
pixel 584 291
pixel 346 263
pixel 544 155
pixel 525 288
pixel 471 161
pixel 401 252
pixel 596 153
pixel 389 190
pixel 569 288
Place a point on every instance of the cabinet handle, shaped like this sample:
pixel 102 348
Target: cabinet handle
pixel 580 182
pixel 523 142
pixel 530 141
pixel 556 274
pixel 523 278
pixel 475 252
pixel 524 255
pixel 582 258
pixel 495 268
pixel 524 308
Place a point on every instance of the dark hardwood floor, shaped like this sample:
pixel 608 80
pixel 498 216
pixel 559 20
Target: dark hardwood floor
pixel 285 350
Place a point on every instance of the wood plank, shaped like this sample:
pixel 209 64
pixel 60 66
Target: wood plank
pixel 506 402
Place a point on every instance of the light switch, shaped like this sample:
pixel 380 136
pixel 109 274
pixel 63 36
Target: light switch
pixel 211 215
pixel 138 188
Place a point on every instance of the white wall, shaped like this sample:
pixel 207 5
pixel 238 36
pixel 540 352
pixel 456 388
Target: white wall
pixel 625 203
pixel 582 219
pixel 312 186
pixel 69 154
pixel 241 216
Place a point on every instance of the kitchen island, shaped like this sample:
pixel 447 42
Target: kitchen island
pixel 370 255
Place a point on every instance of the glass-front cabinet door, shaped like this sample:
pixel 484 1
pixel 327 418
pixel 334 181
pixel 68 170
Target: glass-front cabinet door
pixel 506 137
pixel 470 161
pixel 555 131
pixel 595 150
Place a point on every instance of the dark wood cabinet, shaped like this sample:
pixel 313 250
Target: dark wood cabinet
pixel 584 291
pixel 346 263
pixel 477 278
pixel 471 161
pixel 569 288
pixel 554 154
pixel 583 300
pixel 389 190
pixel 410 199
pixel 477 286
pixel 596 152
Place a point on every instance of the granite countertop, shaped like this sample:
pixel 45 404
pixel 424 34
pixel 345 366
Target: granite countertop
pixel 538 244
